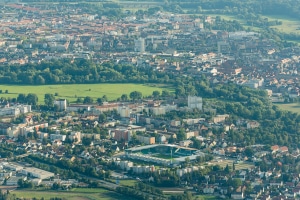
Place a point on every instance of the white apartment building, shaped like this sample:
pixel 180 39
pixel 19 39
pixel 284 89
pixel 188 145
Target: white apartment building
pixel 195 102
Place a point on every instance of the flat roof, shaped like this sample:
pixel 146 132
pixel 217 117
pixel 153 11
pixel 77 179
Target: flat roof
pixel 14 178
pixel 155 145
pixel 37 171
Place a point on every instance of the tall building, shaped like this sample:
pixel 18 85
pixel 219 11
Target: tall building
pixel 223 47
pixel 139 45
pixel 122 135
pixel 61 103
pixel 195 102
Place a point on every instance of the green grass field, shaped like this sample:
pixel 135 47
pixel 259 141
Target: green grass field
pixel 165 156
pixel 74 194
pixel 289 25
pixel 293 107
pixel 128 183
pixel 73 91
pixel 205 197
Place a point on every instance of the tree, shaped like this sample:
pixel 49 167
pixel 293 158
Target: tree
pixel 102 118
pixel 165 93
pixel 104 98
pixel 235 183
pixel 155 94
pixel 32 99
pixel 124 97
pixel 248 152
pixel 180 91
pixel 187 160
pixel 88 99
pixel 135 95
pixel 100 101
pixel 227 169
pixel 79 100
pixel 86 141
pixel 39 80
pixel 55 186
pixel 21 183
pixel 181 135
pixel 49 100
pixel 21 98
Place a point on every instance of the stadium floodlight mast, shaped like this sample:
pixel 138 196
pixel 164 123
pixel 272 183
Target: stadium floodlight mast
pixel 172 154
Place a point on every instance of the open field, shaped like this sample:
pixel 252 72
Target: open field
pixel 73 91
pixel 127 182
pixel 293 107
pixel 74 194
pixel 206 197
pixel 233 17
pixel 289 25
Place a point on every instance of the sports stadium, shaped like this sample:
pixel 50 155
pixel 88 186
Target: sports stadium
pixel 164 154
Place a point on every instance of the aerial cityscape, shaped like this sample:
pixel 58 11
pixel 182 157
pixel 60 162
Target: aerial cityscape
pixel 149 100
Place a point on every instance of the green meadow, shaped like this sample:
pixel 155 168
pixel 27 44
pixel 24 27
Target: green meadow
pixel 289 25
pixel 73 91
pixel 74 194
pixel 293 107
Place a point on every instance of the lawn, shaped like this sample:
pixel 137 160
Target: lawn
pixel 289 25
pixel 205 197
pixel 293 107
pixel 164 156
pixel 74 194
pixel 128 183
pixel 73 91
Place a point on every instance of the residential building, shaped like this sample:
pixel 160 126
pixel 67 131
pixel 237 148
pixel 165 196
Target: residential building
pixel 146 139
pixel 61 104
pixel 122 135
pixel 15 110
pixel 139 45
pixel 195 102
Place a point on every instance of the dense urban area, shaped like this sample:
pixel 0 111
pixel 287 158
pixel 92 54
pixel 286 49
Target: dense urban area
pixel 211 126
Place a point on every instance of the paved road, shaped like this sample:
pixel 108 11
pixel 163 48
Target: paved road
pixel 110 185
pixel 23 155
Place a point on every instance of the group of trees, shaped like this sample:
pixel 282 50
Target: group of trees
pixel 80 71
pixel 24 183
pixel 166 179
pixel 288 8
pixel 73 167
pixel 277 126
pixel 132 193
pixel 147 188
pixel 6 195
pixel 30 99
